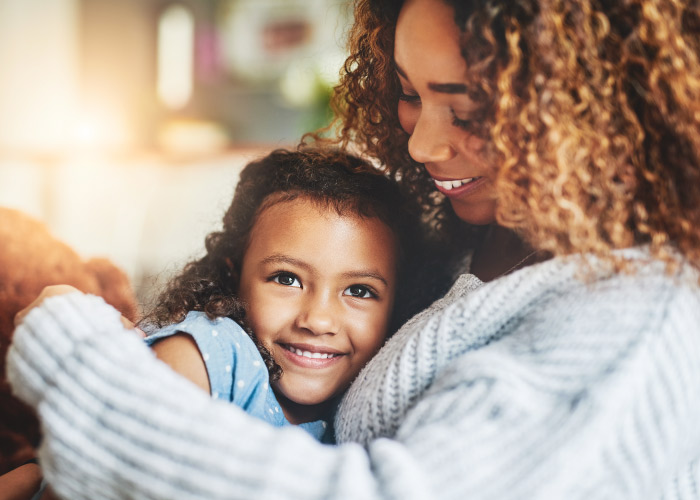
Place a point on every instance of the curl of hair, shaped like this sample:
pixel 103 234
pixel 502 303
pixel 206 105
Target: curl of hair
pixel 591 109
pixel 335 181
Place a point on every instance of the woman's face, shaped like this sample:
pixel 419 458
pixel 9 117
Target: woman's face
pixel 434 102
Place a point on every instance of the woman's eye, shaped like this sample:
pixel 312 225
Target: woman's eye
pixel 359 291
pixel 412 98
pixel 287 279
pixel 461 121
pixel 472 122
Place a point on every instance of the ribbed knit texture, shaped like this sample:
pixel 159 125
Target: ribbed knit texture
pixel 537 385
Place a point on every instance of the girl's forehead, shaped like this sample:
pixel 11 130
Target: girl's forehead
pixel 305 202
pixel 293 208
pixel 302 230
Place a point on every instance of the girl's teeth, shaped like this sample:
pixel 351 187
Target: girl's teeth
pixel 313 355
pixel 449 185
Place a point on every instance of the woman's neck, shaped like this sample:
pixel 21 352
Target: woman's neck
pixel 501 252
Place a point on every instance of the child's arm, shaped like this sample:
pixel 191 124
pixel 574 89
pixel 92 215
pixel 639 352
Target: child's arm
pixel 20 483
pixel 180 351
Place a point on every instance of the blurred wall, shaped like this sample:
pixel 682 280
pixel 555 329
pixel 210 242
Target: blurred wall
pixel 40 65
pixel 147 215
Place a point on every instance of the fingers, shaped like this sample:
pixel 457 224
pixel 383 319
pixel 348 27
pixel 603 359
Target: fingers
pixel 48 291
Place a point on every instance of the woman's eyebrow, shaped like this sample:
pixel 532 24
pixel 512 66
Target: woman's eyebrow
pixel 399 70
pixel 448 88
pixel 442 88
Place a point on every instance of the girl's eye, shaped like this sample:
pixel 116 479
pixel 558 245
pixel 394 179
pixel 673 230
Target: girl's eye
pixel 360 291
pixel 286 279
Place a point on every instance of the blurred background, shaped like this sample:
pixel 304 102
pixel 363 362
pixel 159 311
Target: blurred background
pixel 124 123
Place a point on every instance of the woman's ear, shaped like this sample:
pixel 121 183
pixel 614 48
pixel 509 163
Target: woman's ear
pixel 627 178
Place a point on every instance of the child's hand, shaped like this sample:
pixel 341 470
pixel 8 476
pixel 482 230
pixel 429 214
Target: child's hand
pixel 131 326
pixel 48 291
pixel 53 290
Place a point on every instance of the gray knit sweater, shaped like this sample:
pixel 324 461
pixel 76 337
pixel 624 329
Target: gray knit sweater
pixel 540 384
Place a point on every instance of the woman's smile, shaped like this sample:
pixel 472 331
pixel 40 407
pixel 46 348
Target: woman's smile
pixel 458 187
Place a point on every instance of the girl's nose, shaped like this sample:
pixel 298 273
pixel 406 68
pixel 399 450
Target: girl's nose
pixel 429 142
pixel 319 315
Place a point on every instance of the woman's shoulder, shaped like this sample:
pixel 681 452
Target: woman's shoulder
pixel 535 317
pixel 645 282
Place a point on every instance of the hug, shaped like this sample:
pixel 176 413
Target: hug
pixel 527 206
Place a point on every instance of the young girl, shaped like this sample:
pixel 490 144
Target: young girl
pixel 301 281
pixel 320 256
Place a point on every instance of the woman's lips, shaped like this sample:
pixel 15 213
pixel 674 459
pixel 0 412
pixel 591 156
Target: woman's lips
pixel 458 187
pixel 308 356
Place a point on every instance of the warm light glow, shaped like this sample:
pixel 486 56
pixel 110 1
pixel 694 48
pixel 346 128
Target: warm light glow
pixel 175 56
pixel 99 130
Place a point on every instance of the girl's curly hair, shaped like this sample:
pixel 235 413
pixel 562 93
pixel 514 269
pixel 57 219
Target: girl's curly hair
pixel 591 109
pixel 336 181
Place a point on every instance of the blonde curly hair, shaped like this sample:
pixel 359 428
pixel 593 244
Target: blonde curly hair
pixel 591 111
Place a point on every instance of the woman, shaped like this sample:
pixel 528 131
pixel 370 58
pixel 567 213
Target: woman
pixel 572 126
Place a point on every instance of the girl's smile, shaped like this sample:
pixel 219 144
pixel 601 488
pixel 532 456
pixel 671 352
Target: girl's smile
pixel 311 356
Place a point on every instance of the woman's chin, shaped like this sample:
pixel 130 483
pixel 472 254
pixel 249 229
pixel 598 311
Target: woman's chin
pixel 478 212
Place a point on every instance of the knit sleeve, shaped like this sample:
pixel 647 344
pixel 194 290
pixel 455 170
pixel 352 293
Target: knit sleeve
pixel 591 395
pixel 118 423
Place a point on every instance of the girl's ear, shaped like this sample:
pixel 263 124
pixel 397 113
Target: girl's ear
pixel 231 270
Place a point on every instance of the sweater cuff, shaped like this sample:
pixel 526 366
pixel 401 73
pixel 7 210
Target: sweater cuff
pixel 50 333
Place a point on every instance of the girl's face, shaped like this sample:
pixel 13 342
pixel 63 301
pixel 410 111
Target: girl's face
pixel 434 103
pixel 319 289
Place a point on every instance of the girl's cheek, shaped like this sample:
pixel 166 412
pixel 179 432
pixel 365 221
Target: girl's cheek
pixel 408 116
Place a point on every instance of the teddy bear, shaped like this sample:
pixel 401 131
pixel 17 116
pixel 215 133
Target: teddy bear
pixel 30 259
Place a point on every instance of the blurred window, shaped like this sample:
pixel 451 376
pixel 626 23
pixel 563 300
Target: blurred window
pixel 175 56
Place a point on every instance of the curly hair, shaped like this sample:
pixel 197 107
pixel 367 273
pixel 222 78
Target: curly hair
pixel 591 111
pixel 336 181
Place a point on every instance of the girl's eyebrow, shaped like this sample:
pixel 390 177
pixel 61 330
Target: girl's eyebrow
pixel 442 88
pixel 365 275
pixel 279 258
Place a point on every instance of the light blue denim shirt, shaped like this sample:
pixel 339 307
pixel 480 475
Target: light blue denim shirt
pixel 236 370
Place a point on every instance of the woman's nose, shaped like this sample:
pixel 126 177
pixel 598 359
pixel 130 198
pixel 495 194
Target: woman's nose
pixel 429 142
pixel 318 314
